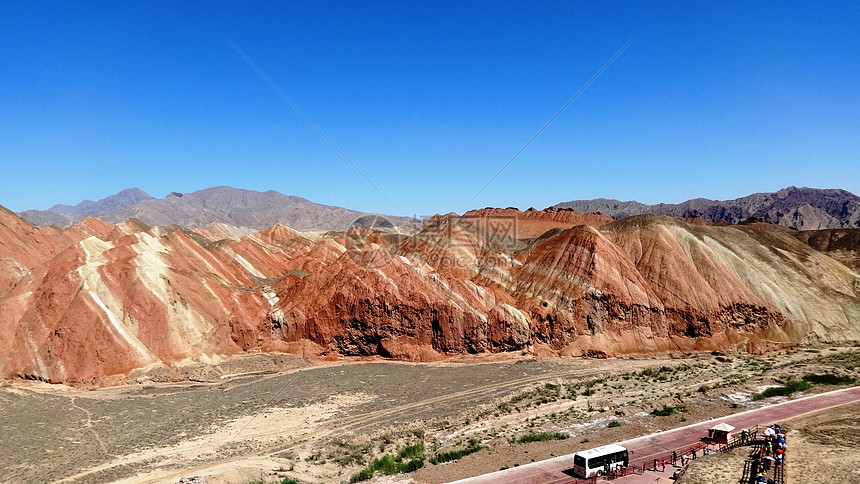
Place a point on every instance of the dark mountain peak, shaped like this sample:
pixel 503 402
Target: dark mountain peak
pixel 800 208
pixel 123 198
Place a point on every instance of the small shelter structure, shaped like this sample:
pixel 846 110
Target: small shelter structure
pixel 720 433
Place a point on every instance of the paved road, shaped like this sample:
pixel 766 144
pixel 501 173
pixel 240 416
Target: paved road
pixel 648 447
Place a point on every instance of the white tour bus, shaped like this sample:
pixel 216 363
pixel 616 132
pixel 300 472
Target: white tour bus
pixel 595 462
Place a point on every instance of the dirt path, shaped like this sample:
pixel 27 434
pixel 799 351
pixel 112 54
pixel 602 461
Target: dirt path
pixel 89 425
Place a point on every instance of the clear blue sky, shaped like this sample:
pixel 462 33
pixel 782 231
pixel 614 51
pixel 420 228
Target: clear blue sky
pixel 429 99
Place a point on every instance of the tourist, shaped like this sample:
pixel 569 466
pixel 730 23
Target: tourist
pixel 674 457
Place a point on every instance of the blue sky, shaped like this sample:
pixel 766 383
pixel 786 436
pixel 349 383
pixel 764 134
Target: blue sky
pixel 429 100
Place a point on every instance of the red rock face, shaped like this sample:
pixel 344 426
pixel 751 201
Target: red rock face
pixel 531 223
pixel 100 299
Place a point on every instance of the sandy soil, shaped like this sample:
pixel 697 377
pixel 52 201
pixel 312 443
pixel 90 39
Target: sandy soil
pixel 825 446
pixel 324 423
pixel 725 468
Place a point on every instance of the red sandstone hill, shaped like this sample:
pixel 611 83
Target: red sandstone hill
pixel 99 299
pixel 532 223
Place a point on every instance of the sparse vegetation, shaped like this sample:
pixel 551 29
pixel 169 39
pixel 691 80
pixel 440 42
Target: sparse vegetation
pixel 542 437
pixel 474 446
pixel 791 386
pixel 829 379
pixel 663 412
pixel 393 464
pixel 345 456
pixel 614 423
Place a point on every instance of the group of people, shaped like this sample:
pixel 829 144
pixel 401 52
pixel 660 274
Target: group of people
pixel 773 452
pixel 685 458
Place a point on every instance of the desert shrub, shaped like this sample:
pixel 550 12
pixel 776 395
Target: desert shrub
pixel 412 466
pixel 663 412
pixel 393 464
pixel 363 475
pixel 411 452
pixel 790 387
pixel 474 446
pixel 542 437
pixel 828 379
pixel 614 423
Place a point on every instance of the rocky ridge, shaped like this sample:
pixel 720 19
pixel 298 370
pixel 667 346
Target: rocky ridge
pixel 246 209
pixel 100 299
pixel 800 208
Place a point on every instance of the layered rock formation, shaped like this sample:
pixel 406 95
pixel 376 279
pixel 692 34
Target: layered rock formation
pixel 102 299
pixel 531 223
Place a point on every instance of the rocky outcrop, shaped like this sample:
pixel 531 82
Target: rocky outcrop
pixel 841 244
pixel 101 299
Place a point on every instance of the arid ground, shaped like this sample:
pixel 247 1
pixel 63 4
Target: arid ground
pixel 325 421
pixel 823 447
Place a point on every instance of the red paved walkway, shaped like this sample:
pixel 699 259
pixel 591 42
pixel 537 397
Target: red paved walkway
pixel 648 447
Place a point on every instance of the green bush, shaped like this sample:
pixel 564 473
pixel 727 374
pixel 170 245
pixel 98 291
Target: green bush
pixel 473 447
pixel 790 387
pixel 614 423
pixel 542 437
pixel 393 464
pixel 363 475
pixel 663 412
pixel 828 379
pixel 412 466
pixel 411 452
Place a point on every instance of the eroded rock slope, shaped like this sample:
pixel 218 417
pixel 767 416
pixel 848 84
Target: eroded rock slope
pixel 101 299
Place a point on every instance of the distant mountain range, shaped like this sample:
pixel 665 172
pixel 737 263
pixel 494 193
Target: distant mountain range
pixel 200 209
pixel 799 208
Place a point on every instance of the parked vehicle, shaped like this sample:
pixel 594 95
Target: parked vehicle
pixel 600 460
